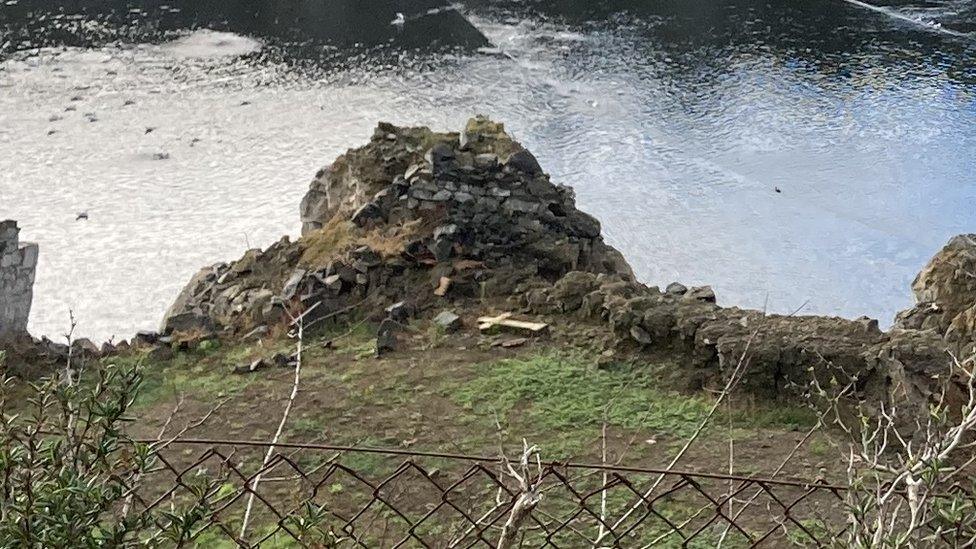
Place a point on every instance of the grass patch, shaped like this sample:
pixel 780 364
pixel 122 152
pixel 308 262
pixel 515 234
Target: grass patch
pixel 205 376
pixel 782 415
pixel 338 237
pixel 565 393
pixel 322 246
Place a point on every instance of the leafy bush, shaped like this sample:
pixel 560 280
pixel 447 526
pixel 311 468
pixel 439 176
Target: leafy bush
pixel 66 463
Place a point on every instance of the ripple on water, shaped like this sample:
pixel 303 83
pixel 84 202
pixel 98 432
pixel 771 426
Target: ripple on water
pixel 208 44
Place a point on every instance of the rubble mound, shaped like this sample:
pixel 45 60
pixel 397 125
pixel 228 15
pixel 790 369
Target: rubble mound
pixel 410 214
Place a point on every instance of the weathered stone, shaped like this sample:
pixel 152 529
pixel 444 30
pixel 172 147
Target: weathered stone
pixel 333 283
pixel 440 157
pixel 17 264
pixel 676 288
pixel 85 348
pixel 291 285
pixel 191 321
pixel 524 161
pixel 442 248
pixel 386 337
pixel 946 292
pixel 367 213
pixel 449 321
pixel 146 338
pixel 640 335
pixel 399 311
pixel 703 293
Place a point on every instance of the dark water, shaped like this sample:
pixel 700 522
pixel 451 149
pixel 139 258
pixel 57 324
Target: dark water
pixel 675 121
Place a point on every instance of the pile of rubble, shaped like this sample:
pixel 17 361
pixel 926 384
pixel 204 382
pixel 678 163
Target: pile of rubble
pixel 413 214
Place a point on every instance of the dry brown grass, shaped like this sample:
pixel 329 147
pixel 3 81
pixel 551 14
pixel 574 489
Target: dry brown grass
pixel 338 237
pixel 323 246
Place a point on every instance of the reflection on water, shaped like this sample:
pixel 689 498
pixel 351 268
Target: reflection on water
pixel 675 121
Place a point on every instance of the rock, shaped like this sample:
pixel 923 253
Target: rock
pixel 192 321
pixel 84 348
pixel 146 338
pixel 366 214
pixel 107 349
pixel 399 312
pixel 386 337
pixel 676 288
pixel 449 321
pixel 291 285
pixel 282 360
pixel 640 335
pixel 525 162
pixel 442 249
pixel 441 158
pixel 703 293
pixel 945 291
pixel 253 366
pixel 517 342
pixel 333 283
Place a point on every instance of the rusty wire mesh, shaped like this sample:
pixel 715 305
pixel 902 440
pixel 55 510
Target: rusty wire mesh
pixel 332 496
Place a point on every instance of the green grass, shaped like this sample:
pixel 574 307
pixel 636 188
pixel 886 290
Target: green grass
pixel 563 392
pixel 202 374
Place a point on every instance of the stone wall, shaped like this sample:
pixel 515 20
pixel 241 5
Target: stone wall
pixel 17 263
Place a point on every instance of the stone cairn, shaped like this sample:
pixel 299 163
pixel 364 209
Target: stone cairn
pixel 17 263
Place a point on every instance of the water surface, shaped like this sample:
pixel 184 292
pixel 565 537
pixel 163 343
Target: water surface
pixel 788 153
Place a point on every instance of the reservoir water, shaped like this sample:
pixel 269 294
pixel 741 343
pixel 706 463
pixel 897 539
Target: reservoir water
pixel 787 152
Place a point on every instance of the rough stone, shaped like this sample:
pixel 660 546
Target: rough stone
pixel 18 261
pixel 945 292
pixel 367 213
pixel 191 321
pixel 291 285
pixel 640 335
pixel 399 311
pixel 676 288
pixel 525 162
pixel 449 321
pixel 386 336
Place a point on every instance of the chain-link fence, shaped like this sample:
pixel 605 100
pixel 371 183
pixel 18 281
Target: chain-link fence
pixel 309 495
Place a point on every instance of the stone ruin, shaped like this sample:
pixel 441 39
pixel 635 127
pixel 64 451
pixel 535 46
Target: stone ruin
pixel 390 220
pixel 18 261
pixel 425 217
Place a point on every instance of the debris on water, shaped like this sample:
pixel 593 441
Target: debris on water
pixel 82 216
pixel 161 156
